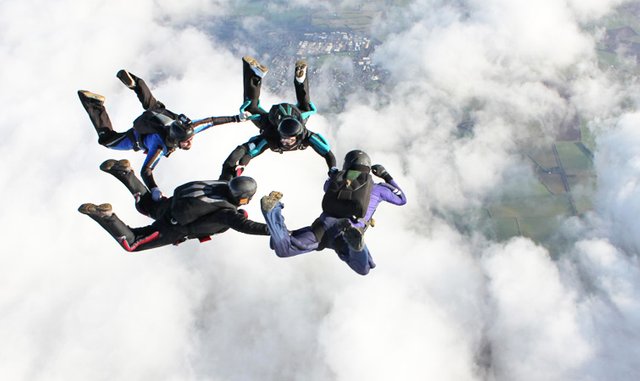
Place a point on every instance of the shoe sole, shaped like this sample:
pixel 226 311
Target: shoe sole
pixel 255 64
pixel 102 210
pixel 269 202
pixel 116 165
pixel 301 69
pixel 89 95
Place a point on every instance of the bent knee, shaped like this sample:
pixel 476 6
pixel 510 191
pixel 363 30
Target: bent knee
pixel 282 253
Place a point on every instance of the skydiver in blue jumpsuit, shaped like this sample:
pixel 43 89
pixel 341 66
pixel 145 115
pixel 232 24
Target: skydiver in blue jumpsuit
pixel 157 132
pixel 282 128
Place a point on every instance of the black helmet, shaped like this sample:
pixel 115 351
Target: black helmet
pixel 242 187
pixel 357 160
pixel 180 130
pixel 289 127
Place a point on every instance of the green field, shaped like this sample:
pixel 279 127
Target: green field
pixel 573 159
pixel 565 179
pixel 622 19
pixel 536 209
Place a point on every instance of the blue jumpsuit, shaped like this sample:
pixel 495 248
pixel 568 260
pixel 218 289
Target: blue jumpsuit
pixel 154 147
pixel 156 115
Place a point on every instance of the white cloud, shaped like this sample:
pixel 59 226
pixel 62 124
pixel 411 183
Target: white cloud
pixel 618 164
pixel 535 318
pixel 609 308
pixel 439 305
pixel 590 9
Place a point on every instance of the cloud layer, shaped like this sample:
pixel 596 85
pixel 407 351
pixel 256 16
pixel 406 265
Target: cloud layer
pixel 440 304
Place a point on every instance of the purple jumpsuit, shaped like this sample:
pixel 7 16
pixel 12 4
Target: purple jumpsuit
pixel 304 240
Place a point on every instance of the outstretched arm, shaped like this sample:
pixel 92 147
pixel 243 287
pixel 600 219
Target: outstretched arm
pixel 236 220
pixel 203 124
pixel 312 110
pixel 242 155
pixel 390 190
pixel 152 159
pixel 322 147
pixel 256 145
pixel 155 151
pixel 391 193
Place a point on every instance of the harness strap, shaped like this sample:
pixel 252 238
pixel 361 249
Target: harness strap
pixel 370 223
pixel 318 230
pixel 136 139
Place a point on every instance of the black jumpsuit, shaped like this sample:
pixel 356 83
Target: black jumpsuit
pixel 165 230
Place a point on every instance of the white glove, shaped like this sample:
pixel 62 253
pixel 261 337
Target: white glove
pixel 243 116
pixel 156 194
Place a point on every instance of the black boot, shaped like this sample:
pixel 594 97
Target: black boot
pixel 104 216
pixel 126 78
pixel 301 71
pixel 112 165
pixel 96 211
pixel 259 69
pixel 88 96
pixel 121 170
pixel 269 202
pixel 94 105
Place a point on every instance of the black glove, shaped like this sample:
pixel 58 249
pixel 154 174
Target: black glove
pixel 244 160
pixel 182 118
pixel 332 171
pixel 380 171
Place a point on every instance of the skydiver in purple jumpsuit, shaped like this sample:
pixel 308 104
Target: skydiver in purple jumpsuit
pixel 339 234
